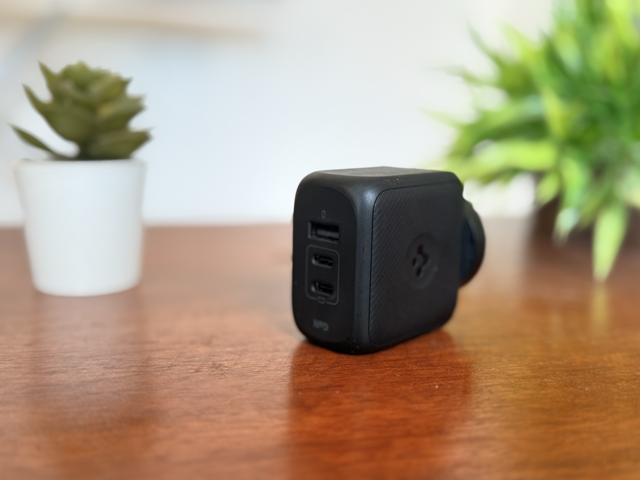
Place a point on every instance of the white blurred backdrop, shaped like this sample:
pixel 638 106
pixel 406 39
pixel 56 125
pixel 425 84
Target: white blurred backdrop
pixel 246 97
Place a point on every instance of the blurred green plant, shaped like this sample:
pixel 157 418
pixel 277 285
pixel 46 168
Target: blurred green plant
pixel 570 113
pixel 91 108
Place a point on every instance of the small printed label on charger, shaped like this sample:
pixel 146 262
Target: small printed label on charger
pixel 320 325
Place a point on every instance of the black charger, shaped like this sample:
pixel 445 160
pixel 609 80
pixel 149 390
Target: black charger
pixel 379 255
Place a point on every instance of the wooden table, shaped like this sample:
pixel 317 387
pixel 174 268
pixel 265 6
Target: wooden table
pixel 201 373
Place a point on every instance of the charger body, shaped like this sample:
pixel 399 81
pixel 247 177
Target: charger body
pixel 376 255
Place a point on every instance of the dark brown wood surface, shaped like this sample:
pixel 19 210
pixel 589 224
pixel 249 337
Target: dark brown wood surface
pixel 200 372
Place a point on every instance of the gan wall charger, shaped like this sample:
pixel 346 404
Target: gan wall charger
pixel 379 255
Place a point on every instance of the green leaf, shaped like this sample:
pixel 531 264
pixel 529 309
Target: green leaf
pixel 70 121
pixel 621 15
pixel 66 92
pixel 555 114
pixel 566 221
pixel 548 187
pixel 568 51
pixel 444 118
pixel 468 77
pixel 506 157
pixel 512 119
pixel 521 44
pixel 610 230
pixel 631 187
pixel 117 114
pixel 521 154
pixel 108 88
pixel 115 145
pixel 36 103
pixel 50 77
pixel 575 177
pixel 494 55
pixel 81 74
pixel 599 193
pixel 33 141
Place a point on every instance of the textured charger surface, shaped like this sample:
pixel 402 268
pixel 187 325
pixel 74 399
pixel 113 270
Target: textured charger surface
pixel 414 261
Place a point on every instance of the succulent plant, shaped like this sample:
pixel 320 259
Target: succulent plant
pixel 570 113
pixel 91 108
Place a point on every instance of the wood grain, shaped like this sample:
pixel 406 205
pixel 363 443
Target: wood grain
pixel 200 372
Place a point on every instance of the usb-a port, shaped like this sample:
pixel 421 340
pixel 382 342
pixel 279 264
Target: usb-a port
pixel 324 232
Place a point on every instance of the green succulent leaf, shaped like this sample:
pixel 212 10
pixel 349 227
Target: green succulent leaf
pixel 70 122
pixel 36 103
pixel 90 107
pixel 66 92
pixel 50 77
pixel 81 74
pixel 35 142
pixel 108 88
pixel 610 229
pixel 120 144
pixel 116 115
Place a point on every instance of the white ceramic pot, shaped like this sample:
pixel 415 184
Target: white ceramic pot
pixel 83 224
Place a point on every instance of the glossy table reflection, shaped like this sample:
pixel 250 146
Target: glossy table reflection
pixel 201 373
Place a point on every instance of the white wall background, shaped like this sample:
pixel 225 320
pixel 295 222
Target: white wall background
pixel 245 97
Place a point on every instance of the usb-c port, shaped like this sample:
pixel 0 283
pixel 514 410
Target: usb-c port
pixel 322 288
pixel 322 261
